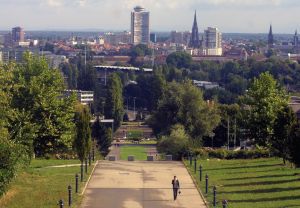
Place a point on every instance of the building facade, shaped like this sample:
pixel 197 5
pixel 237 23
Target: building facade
pixel 18 35
pixel 140 26
pixel 212 42
pixel 296 39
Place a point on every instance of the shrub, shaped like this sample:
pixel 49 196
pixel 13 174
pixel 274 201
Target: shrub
pixel 230 154
pixel 11 158
pixel 176 144
pixel 202 153
pixel 218 153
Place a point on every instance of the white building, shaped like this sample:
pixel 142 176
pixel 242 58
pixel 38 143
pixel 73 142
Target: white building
pixel 84 97
pixel 212 42
pixel 140 26
pixel 205 84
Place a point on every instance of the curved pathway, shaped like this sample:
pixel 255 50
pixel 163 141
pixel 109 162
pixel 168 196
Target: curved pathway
pixel 138 184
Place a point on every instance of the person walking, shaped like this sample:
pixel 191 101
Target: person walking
pixel 176 187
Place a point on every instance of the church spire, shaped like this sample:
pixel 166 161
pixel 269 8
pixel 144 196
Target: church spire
pixel 296 39
pixel 195 42
pixel 271 37
pixel 195 19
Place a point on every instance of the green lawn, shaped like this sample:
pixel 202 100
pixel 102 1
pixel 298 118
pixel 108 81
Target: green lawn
pixel 134 134
pixel 41 186
pixel 260 183
pixel 139 152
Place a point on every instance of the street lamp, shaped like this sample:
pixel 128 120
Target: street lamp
pixel 134 108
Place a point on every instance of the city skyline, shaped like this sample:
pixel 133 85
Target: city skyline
pixel 254 15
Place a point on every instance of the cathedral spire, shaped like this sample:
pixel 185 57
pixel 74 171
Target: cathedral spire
pixel 195 42
pixel 271 37
pixel 195 19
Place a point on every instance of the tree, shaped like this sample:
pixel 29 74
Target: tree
pixel 263 101
pixel 152 87
pixel 183 104
pixel 42 112
pixel 179 60
pixel 176 144
pixel 114 108
pixel 103 136
pixel 71 72
pixel 82 142
pixel 284 127
pixel 294 148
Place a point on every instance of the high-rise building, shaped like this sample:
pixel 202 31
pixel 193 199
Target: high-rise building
pixel 140 26
pixel 153 37
pixel 18 34
pixel 270 38
pixel 213 42
pixel 296 39
pixel 195 41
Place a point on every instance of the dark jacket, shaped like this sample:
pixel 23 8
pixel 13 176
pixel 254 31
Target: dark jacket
pixel 175 184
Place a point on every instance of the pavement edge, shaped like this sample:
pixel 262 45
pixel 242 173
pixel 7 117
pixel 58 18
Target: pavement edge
pixel 196 184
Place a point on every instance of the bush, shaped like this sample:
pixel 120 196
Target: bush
pixel 229 154
pixel 11 158
pixel 219 153
pixel 176 144
pixel 202 153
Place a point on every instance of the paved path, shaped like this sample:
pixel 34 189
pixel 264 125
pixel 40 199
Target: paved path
pixel 115 151
pixel 124 184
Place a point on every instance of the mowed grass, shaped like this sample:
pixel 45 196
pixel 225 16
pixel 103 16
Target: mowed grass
pixel 139 152
pixel 134 134
pixel 41 186
pixel 259 183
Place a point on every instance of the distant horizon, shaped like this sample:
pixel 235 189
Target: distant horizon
pixel 154 31
pixel 230 16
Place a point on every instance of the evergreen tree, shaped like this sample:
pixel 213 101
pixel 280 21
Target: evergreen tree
pixel 114 108
pixel 82 142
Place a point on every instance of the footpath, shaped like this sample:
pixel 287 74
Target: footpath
pixel 140 184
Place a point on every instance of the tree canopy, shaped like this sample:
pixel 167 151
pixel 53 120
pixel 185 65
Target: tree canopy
pixel 263 101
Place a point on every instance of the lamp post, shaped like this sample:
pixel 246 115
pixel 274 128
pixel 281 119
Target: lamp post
pixel 134 108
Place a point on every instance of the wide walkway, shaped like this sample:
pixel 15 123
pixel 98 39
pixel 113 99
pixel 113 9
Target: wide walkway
pixel 124 184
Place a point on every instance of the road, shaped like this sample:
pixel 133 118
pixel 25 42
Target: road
pixel 140 184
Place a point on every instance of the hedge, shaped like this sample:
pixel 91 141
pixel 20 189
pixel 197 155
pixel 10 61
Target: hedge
pixel 230 154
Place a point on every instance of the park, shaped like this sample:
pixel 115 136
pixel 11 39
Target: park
pixel 56 152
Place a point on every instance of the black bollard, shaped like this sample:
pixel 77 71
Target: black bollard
pixel 206 184
pixel 224 203
pixel 215 196
pixel 93 154
pixel 70 195
pixel 86 165
pixel 61 203
pixel 90 159
pixel 195 165
pixel 81 172
pixel 200 173
pixel 76 183
pixel 191 159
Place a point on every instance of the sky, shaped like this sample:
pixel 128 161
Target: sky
pixel 239 16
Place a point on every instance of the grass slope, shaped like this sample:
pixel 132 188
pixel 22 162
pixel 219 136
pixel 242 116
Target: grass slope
pixel 139 152
pixel 260 183
pixel 42 186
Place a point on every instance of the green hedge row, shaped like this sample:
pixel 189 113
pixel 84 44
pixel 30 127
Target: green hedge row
pixel 230 154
